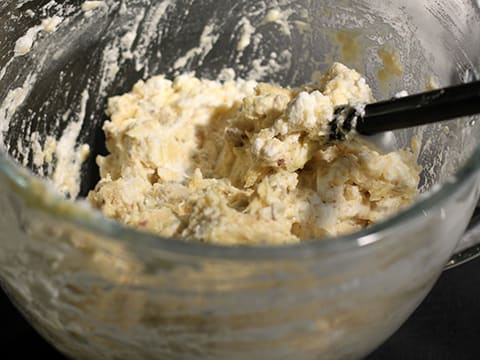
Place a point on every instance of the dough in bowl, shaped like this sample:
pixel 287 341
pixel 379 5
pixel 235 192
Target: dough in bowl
pixel 245 163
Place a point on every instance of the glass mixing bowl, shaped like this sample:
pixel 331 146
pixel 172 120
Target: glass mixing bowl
pixel 95 289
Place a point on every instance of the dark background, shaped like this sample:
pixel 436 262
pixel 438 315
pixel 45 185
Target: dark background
pixel 445 326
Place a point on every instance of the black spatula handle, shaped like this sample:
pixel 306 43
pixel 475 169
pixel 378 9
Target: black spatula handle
pixel 425 108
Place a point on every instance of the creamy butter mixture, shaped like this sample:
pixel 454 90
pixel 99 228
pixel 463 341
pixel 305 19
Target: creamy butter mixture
pixel 241 162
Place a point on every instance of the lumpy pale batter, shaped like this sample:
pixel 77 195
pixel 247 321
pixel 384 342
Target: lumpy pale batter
pixel 239 163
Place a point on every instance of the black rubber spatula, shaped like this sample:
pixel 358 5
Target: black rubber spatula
pixel 409 111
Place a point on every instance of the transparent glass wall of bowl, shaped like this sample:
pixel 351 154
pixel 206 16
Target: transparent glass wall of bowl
pixel 100 292
pixel 111 296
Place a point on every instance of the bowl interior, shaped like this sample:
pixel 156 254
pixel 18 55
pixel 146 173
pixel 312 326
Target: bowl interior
pixel 67 76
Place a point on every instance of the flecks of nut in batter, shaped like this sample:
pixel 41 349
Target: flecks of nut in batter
pixel 241 163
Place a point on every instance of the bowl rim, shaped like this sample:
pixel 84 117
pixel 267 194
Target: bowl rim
pixel 94 221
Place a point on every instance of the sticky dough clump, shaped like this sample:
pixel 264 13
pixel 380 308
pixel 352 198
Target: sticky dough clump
pixel 244 163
